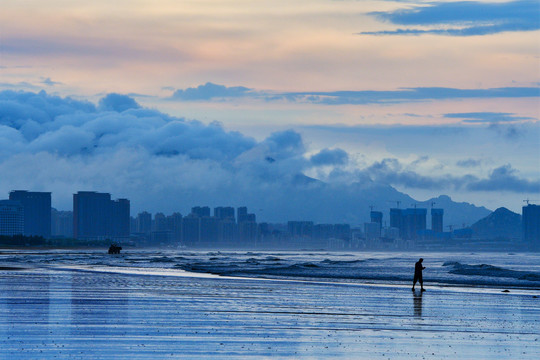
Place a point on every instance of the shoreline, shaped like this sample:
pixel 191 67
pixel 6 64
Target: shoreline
pixel 463 288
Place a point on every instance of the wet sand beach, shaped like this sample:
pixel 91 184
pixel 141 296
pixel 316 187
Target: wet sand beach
pixel 48 313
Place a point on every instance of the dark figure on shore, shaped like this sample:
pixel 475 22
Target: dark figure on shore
pixel 418 274
pixel 114 249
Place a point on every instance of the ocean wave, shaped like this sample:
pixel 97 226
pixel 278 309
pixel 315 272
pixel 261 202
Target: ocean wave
pixel 163 259
pixel 490 271
pixel 343 262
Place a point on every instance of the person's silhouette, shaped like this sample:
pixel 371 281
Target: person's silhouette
pixel 418 274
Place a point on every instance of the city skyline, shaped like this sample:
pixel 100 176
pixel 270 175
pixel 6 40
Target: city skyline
pixel 96 217
pixel 362 216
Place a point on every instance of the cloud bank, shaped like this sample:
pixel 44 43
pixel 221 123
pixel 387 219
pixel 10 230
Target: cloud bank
pixel 487 117
pixel 166 163
pixel 462 18
pixel 503 178
pixel 211 91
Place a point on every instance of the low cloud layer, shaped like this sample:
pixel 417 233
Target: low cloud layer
pixel 503 178
pixel 462 18
pixel 487 117
pixel 166 163
pixel 330 157
pixel 211 91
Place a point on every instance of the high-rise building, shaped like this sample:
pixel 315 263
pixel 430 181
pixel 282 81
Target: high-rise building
pixel 97 217
pixel 396 220
pixel 437 220
pixel 372 230
pixel 531 225
pixel 120 221
pixel 11 218
pixel 247 232
pixel 160 222
pixel 37 211
pixel 376 217
pixel 200 211
pixel 191 230
pixel 241 214
pixel 209 231
pixel 323 231
pixel 247 226
pixel 224 212
pixel 91 215
pixel 174 224
pixel 144 222
pixel 300 228
pixel 413 220
pixel 228 232
pixel 342 231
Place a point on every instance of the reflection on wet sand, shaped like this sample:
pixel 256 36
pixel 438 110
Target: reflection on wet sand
pixel 77 314
pixel 417 298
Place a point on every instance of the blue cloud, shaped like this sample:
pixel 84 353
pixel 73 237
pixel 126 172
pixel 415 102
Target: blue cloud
pixel 469 163
pixel 287 143
pixel 17 107
pixel 210 91
pixel 505 178
pixel 49 82
pixel 409 94
pixel 117 102
pixel 487 117
pixel 330 157
pixel 463 18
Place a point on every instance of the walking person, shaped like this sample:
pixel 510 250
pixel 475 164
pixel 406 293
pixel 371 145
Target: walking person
pixel 418 274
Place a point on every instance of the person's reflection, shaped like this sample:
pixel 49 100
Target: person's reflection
pixel 417 298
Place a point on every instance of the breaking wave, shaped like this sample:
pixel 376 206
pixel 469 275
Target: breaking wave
pixel 491 271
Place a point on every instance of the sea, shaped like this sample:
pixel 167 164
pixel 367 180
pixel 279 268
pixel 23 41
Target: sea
pixel 488 270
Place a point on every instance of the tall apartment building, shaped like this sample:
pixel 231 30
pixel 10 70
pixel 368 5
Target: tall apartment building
pixel 11 218
pixel 97 217
pixel 174 224
pixel 413 220
pixel 200 211
pixel 191 230
pixel 144 222
pixel 376 217
pixel 226 212
pixel 531 225
pixel 396 220
pixel 437 220
pixel 37 211
pixel 120 218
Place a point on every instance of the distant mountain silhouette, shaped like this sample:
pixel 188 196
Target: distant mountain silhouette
pixel 301 197
pixel 502 223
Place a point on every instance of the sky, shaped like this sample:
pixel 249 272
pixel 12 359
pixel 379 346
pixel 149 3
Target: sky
pixel 192 98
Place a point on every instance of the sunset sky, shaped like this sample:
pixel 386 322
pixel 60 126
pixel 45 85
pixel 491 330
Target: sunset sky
pixel 431 97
